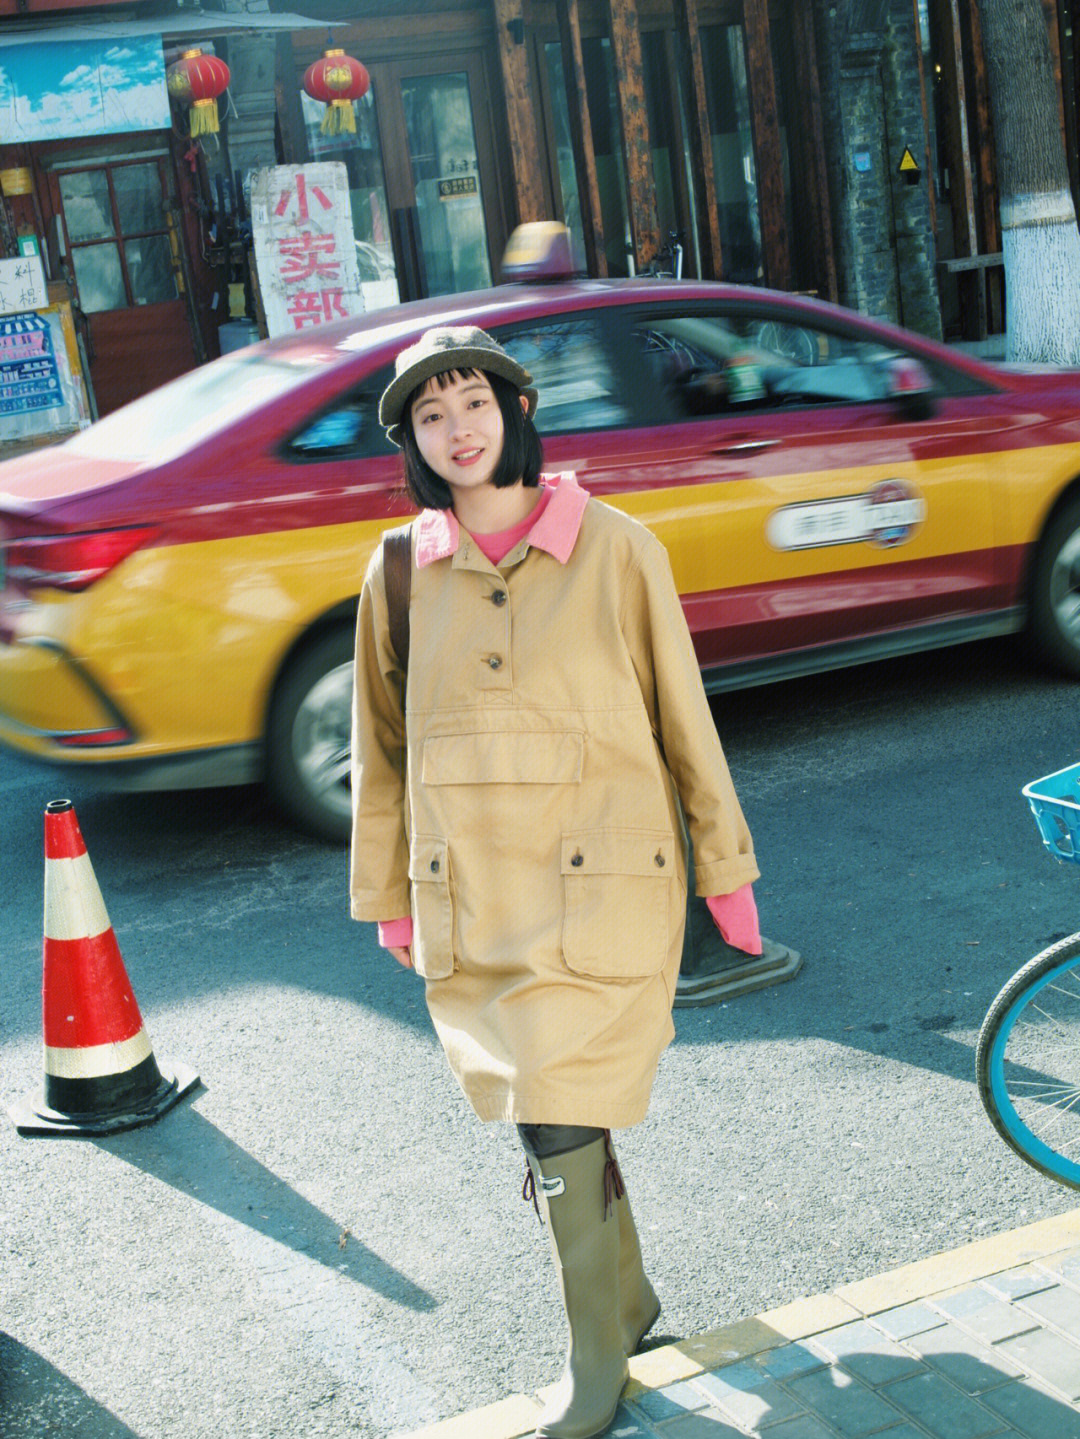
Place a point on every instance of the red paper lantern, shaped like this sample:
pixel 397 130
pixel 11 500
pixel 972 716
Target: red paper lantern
pixel 197 80
pixel 337 80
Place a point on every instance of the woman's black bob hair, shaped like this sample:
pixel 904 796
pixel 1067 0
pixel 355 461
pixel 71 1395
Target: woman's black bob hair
pixel 522 457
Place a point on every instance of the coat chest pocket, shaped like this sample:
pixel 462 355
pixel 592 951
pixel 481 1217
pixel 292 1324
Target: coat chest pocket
pixel 433 908
pixel 617 895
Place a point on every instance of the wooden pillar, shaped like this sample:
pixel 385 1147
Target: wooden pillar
pixel 581 136
pixel 961 185
pixel 633 112
pixel 991 282
pixel 812 148
pixel 1050 10
pixel 970 286
pixel 767 148
pixel 699 139
pixel 520 115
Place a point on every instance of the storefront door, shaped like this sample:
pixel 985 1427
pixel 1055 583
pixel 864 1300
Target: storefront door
pixel 441 179
pixel 112 225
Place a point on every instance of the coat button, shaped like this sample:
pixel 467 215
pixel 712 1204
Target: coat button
pixel 495 662
pixel 499 597
pixel 577 860
pixel 660 859
pixel 434 866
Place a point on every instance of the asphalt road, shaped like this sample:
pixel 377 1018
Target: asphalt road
pixel 325 1241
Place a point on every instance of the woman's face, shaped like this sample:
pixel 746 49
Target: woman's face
pixel 459 430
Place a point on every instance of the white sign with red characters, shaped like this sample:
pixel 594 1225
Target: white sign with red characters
pixel 305 251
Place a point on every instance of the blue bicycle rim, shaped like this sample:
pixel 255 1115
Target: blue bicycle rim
pixel 1023 1137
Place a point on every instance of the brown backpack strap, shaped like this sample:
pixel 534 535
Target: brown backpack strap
pixel 397 574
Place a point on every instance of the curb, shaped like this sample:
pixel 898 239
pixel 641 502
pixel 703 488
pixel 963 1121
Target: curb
pixel 515 1417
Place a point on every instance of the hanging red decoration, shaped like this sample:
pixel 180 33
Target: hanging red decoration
pixel 337 80
pixel 197 80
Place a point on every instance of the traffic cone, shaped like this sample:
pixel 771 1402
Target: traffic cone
pixel 100 1072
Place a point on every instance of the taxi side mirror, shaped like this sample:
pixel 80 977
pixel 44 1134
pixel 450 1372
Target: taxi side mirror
pixel 910 386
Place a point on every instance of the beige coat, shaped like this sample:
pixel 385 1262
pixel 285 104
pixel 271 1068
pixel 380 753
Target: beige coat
pixel 534 832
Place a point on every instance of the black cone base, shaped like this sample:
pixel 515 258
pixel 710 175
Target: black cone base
pixel 33 1116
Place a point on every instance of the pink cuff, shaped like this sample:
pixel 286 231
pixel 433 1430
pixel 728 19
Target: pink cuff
pixel 396 933
pixel 736 917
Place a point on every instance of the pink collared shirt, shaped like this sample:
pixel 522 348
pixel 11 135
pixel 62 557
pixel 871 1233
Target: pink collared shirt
pixel 553 526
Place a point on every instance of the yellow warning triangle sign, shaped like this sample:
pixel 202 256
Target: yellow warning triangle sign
pixel 908 161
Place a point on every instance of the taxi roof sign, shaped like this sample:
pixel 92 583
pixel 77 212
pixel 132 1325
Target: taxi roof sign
pixel 539 250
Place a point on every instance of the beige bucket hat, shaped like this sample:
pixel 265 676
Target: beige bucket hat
pixel 447 347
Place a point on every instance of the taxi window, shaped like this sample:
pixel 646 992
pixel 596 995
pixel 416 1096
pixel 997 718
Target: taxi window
pixel 572 368
pixel 731 363
pixel 350 429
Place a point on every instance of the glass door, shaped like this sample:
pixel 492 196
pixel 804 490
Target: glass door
pixel 361 154
pixel 443 189
pixel 115 227
pixel 727 89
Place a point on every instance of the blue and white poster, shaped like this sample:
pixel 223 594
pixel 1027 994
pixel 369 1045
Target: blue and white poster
pixel 62 88
pixel 29 377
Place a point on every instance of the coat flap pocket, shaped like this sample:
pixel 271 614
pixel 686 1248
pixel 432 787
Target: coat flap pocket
pixel 504 757
pixel 643 852
pixel 428 860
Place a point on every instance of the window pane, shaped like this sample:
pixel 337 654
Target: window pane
pixel 571 369
pixel 150 268
pixel 446 175
pixel 351 431
pixel 99 278
pixel 729 363
pixel 362 158
pixel 568 185
pixel 198 404
pixel 139 201
pixel 87 211
pixel 607 143
pixel 728 96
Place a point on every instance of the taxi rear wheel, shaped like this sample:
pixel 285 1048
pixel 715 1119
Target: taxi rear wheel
pixel 1055 591
pixel 309 736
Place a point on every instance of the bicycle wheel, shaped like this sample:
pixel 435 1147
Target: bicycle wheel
pixel 1028 1062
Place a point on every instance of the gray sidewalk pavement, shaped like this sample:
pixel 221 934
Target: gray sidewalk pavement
pixel 978 1341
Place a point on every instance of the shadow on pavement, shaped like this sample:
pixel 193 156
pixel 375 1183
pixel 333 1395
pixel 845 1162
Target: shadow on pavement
pixel 858 1380
pixel 194 1157
pixel 38 1401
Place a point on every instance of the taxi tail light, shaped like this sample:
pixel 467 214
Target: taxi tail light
pixel 69 562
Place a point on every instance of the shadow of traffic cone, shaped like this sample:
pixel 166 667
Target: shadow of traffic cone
pixel 100 1072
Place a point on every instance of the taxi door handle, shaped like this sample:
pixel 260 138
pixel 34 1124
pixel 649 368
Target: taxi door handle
pixel 745 447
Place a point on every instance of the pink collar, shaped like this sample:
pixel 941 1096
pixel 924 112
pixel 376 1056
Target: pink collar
pixel 556 531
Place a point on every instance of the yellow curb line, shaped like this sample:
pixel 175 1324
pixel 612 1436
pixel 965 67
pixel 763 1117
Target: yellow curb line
pixel 515 1418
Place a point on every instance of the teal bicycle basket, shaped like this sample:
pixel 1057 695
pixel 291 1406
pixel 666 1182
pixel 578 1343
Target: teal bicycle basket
pixel 1055 803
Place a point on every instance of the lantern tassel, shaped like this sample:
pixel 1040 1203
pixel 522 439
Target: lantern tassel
pixel 339 117
pixel 204 118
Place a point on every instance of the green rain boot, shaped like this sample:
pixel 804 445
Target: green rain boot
pixel 585 1241
pixel 639 1308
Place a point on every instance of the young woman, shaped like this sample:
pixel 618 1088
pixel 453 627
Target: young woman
pixel 519 815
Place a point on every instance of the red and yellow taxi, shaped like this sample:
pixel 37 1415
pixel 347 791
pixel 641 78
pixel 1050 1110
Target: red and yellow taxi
pixel 178 583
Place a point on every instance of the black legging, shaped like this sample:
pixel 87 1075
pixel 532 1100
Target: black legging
pixel 544 1141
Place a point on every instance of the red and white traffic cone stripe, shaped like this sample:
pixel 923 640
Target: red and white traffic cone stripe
pixel 100 1071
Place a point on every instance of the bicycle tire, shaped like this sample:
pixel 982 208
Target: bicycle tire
pixel 1024 1045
